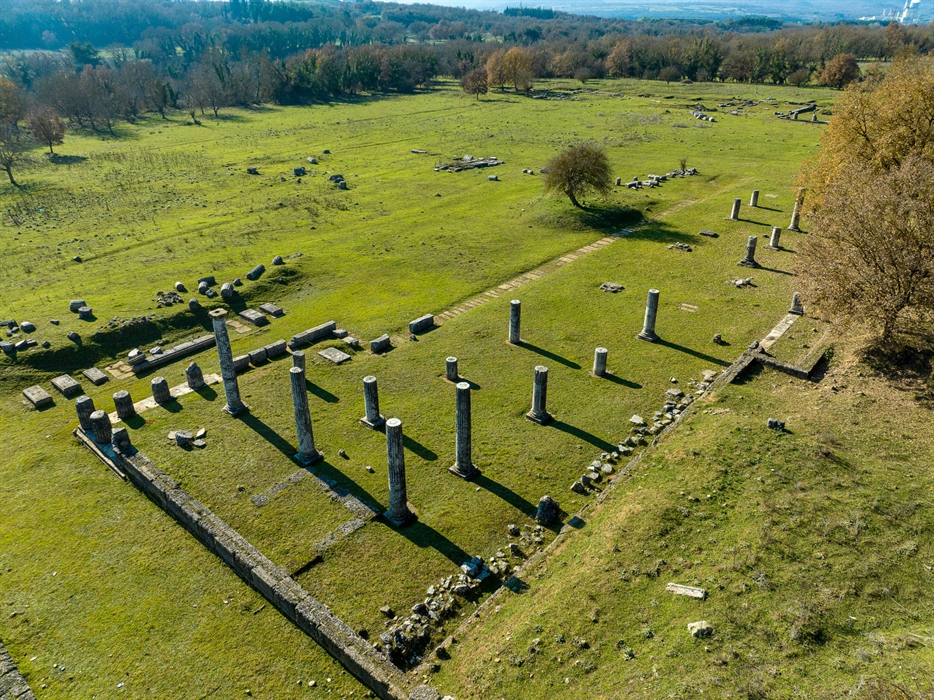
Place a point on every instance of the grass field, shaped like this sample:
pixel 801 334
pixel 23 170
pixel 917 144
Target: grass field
pixel 168 202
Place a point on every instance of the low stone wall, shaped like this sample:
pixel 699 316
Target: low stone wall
pixel 176 353
pixel 354 653
pixel 12 683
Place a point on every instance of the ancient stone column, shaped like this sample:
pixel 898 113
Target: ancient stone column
pixel 100 428
pixel 599 362
pixel 307 454
pixel 539 413
pixel 224 354
pixel 195 376
pixel 372 419
pixel 651 311
pixel 734 215
pixel 84 405
pixel 121 441
pixel 160 390
pixel 750 259
pixel 776 237
pixel 463 461
pixel 450 369
pixel 398 513
pixel 515 315
pixel 754 199
pixel 298 360
pixel 124 405
pixel 796 214
pixel 796 306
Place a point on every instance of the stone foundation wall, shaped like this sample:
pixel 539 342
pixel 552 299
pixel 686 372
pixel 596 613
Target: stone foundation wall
pixel 12 683
pixel 366 664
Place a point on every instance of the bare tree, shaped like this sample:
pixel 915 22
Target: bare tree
pixel 46 128
pixel 11 149
pixel 869 258
pixel 577 171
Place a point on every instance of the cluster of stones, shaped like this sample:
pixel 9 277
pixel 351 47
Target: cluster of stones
pixel 164 299
pixel 599 469
pixel 468 162
pixel 703 116
pixel 186 439
pixel 656 180
pixel 406 638
pixel 681 246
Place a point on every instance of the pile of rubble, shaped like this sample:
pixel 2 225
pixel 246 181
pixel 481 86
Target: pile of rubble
pixel 468 162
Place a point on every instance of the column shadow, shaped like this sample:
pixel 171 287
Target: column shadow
pixel 610 377
pixel 320 392
pixel 550 355
pixel 206 393
pixel 582 435
pixel 134 422
pixel 418 448
pixel 506 494
pixel 695 353
pixel 775 270
pixel 268 434
pixel 424 536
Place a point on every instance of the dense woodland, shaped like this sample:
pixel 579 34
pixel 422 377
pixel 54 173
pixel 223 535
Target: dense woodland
pixel 96 62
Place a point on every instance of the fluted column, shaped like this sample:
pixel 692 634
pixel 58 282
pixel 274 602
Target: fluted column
pixel 398 513
pixel 372 419
pixel 796 214
pixel 307 454
pixel 84 405
pixel 100 428
pixel 194 376
pixel 463 459
pixel 123 402
pixel 160 390
pixel 228 373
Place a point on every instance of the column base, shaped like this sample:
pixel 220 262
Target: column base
pixel 541 419
pixel 375 425
pixel 773 247
pixel 469 475
pixel 730 218
pixel 308 460
pixel 793 228
pixel 648 337
pixel 514 342
pixel 235 410
pixel 796 312
pixel 406 519
pixel 748 263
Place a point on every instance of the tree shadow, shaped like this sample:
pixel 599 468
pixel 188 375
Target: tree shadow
pixel 57 159
pixel 550 355
pixel 268 434
pixel 418 448
pixel 610 377
pixel 506 494
pixel 662 232
pixel 695 353
pixel 581 434
pixel 320 392
pixel 607 218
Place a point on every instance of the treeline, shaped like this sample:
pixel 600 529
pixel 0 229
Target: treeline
pixel 123 59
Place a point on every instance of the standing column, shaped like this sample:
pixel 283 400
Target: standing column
pixel 599 362
pixel 651 311
pixel 796 306
pixel 224 354
pixel 307 454
pixel 123 402
pixel 450 369
pixel 120 440
pixel 194 376
pixel 754 199
pixel 160 390
pixel 750 259
pixel 515 315
pixel 84 405
pixel 100 428
pixel 775 238
pixel 398 513
pixel 796 214
pixel 463 461
pixel 372 419
pixel 298 360
pixel 734 215
pixel 539 413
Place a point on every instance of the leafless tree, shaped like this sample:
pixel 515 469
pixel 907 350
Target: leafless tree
pixel 46 128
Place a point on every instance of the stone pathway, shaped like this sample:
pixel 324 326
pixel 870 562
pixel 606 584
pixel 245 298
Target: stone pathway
pixel 522 280
pixel 778 331
pixel 12 683
pixel 175 391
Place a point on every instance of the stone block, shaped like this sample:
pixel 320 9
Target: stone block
pixel 334 355
pixel 241 362
pixel 690 591
pixel 254 317
pixel 272 310
pixel 381 344
pixel 38 396
pixel 95 376
pixel 66 385
pixel 421 324
pixel 255 273
pixel 210 280
pixel 257 357
pixel 312 335
pixel 276 349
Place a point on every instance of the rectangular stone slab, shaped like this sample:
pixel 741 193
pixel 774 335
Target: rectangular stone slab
pixel 334 355
pixel 422 324
pixel 254 317
pixel 381 344
pixel 276 349
pixel 66 385
pixel 241 362
pixel 312 335
pixel 272 310
pixel 38 396
pixel 95 376
pixel 690 591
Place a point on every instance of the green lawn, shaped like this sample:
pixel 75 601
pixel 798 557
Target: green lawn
pixel 169 202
